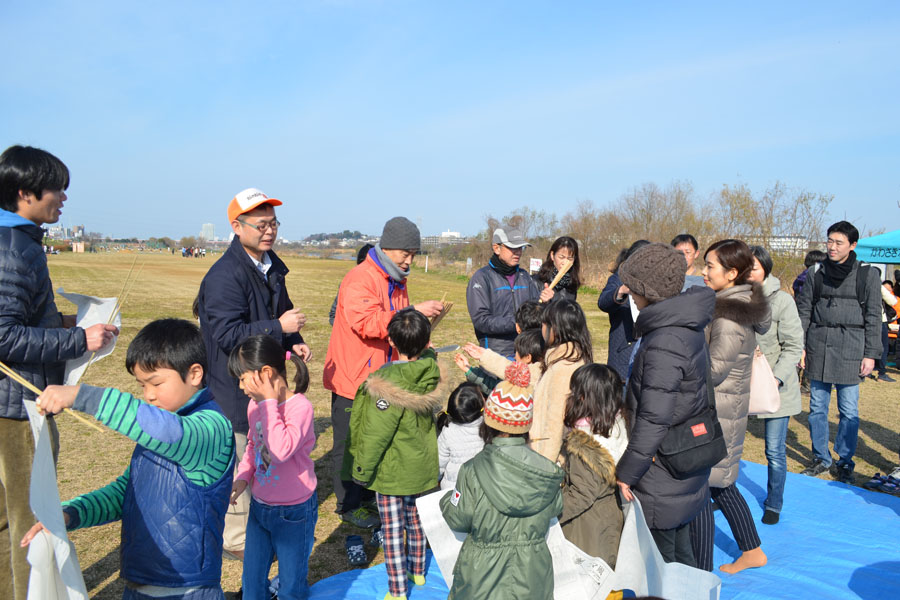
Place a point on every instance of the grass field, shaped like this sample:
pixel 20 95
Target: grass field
pixel 167 287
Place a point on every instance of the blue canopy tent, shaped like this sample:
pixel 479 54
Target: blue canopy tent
pixel 880 249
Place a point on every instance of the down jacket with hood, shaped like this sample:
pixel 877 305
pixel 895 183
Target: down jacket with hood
pixel 742 312
pixel 783 346
pixel 666 388
pixel 493 303
pixel 392 445
pixel 504 500
pixel 33 341
pixel 592 517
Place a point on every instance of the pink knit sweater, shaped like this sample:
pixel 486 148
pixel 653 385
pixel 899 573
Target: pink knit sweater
pixel 276 463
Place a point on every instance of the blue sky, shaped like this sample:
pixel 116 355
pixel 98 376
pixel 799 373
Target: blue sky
pixel 354 112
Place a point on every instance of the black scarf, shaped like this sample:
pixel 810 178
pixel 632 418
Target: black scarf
pixel 836 273
pixel 501 267
pixel 565 282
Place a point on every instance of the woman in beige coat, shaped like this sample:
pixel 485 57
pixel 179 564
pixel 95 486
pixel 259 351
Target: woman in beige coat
pixel 741 313
pixel 568 346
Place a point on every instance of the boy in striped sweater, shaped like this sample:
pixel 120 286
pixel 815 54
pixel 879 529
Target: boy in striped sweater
pixel 173 496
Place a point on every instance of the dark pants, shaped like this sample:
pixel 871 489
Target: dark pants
pixel 881 364
pixel 348 494
pixel 675 545
pixel 736 511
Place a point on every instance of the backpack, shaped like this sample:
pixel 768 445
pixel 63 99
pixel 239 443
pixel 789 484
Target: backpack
pixel 862 275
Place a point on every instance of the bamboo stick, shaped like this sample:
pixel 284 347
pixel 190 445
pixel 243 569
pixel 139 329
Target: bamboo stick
pixel 561 273
pixel 30 386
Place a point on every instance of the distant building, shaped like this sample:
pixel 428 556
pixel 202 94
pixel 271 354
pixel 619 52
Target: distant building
pixel 446 238
pixel 208 231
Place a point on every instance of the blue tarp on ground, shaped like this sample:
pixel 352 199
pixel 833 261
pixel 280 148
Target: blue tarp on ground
pixel 834 541
pixel 884 248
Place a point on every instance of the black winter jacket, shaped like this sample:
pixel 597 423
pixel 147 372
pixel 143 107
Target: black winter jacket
pixel 667 387
pixel 33 341
pixel 621 327
pixel 492 306
pixel 237 301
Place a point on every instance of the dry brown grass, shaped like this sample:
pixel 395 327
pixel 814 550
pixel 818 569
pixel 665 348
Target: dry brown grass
pixel 167 287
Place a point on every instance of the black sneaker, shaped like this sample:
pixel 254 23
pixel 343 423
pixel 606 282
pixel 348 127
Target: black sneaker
pixel 844 473
pixel 815 469
pixel 886 377
pixel 770 517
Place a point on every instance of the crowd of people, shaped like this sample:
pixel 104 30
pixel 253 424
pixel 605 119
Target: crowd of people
pixel 538 430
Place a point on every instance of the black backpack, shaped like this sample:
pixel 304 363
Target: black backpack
pixel 862 275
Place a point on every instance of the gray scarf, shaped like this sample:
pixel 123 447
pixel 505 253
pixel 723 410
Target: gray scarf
pixel 388 265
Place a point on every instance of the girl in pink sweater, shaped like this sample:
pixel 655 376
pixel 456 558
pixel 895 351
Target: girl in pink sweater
pixel 277 467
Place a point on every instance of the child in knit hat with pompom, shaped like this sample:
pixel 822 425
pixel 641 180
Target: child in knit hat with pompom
pixel 504 499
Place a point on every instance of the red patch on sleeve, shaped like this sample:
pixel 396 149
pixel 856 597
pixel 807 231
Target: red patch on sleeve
pixel 698 429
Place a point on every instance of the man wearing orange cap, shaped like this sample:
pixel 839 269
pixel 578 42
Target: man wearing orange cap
pixel 243 294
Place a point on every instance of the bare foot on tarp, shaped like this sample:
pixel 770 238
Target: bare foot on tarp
pixel 748 560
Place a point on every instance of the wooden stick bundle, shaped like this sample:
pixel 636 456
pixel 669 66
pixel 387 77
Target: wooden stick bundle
pixel 6 370
pixel 446 306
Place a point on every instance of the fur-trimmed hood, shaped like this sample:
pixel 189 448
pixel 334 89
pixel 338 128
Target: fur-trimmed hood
pixel 744 304
pixel 592 454
pixel 420 385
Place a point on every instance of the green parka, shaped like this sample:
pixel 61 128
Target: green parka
pixel 392 445
pixel 505 498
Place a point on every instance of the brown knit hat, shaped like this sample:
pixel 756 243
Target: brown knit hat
pixel 655 271
pixel 510 407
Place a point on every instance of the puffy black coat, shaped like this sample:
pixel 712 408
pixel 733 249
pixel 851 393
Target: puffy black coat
pixel 492 304
pixel 667 387
pixel 621 327
pixel 235 302
pixel 33 341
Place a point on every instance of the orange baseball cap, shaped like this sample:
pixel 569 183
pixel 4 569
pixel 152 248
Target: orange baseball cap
pixel 248 200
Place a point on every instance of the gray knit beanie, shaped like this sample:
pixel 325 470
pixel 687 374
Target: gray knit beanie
pixel 400 234
pixel 655 272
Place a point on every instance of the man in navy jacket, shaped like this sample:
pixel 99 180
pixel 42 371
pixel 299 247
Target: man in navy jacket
pixel 35 339
pixel 244 294
pixel 497 290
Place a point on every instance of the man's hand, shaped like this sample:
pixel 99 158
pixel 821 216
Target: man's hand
pixel 430 308
pixel 99 335
pixel 57 398
pixel 546 294
pixel 625 490
pixel 68 321
pixel 462 362
pixel 237 489
pixel 621 293
pixel 303 351
pixel 474 350
pixel 803 360
pixel 868 364
pixel 38 527
pixel 292 321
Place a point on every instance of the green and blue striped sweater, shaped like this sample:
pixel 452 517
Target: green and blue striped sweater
pixel 201 443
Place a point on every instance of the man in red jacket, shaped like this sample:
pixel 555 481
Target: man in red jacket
pixel 370 294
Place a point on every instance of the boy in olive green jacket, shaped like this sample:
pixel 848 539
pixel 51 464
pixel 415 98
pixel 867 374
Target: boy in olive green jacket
pixel 393 444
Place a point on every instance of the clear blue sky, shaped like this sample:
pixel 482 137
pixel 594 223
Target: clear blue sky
pixel 354 112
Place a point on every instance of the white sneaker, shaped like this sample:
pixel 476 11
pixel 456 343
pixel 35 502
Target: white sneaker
pixel 895 473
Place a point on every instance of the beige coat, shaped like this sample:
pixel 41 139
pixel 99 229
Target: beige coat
pixel 551 389
pixel 741 313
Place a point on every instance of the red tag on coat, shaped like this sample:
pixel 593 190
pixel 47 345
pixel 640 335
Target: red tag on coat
pixel 698 429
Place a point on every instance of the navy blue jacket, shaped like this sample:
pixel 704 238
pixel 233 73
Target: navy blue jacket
pixel 621 326
pixel 235 302
pixel 492 306
pixel 178 542
pixel 33 341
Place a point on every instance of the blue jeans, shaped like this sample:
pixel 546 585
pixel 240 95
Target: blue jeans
pixel 776 436
pixel 848 424
pixel 285 531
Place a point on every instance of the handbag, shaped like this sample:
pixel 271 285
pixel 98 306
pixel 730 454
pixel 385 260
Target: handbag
pixel 765 399
pixel 697 444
